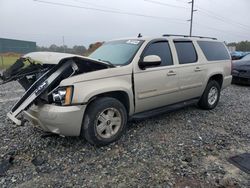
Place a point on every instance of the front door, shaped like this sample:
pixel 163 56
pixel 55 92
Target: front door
pixel 156 86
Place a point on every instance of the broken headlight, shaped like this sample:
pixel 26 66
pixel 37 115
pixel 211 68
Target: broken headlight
pixel 63 95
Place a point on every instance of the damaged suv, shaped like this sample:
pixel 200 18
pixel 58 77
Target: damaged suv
pixel 95 96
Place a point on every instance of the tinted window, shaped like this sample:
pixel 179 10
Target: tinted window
pixel 186 52
pixel 214 51
pixel 161 49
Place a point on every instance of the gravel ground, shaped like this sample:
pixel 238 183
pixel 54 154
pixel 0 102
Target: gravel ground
pixel 188 147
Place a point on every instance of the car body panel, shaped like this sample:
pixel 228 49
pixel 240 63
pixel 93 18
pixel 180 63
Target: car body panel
pixel 160 91
pixel 94 83
pixel 54 57
pixel 241 69
pixel 84 91
pixel 159 88
pixel 241 72
pixel 212 68
pixel 61 120
pixel 146 89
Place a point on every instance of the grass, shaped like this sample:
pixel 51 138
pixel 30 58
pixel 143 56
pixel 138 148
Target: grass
pixel 7 60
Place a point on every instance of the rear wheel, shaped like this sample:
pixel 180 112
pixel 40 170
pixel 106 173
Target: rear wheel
pixel 105 121
pixel 211 96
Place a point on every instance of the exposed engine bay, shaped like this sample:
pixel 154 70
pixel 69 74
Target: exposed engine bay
pixel 40 74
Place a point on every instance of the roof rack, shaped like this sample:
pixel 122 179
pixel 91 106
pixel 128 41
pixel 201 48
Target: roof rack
pixel 169 35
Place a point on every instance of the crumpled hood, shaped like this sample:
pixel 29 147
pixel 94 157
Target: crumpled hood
pixel 55 57
pixel 100 74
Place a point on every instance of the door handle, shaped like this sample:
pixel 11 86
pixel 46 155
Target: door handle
pixel 171 73
pixel 197 69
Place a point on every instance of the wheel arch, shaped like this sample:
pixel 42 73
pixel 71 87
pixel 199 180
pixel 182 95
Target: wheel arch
pixel 216 77
pixel 120 95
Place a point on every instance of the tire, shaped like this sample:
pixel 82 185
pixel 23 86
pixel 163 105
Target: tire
pixel 206 101
pixel 104 122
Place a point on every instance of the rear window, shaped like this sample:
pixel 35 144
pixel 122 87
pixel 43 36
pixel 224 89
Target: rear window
pixel 214 51
pixel 186 52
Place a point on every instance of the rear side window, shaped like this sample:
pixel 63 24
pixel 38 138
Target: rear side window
pixel 161 49
pixel 214 51
pixel 186 52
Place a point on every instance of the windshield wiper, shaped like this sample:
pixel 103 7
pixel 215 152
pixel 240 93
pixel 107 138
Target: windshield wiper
pixel 112 65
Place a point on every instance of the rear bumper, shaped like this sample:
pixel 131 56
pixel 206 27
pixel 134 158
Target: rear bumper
pixel 227 81
pixel 63 120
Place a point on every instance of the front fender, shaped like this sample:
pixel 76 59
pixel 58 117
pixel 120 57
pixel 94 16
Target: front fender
pixel 84 91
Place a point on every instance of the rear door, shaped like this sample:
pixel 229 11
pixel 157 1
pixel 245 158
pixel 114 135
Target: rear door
pixel 156 86
pixel 192 71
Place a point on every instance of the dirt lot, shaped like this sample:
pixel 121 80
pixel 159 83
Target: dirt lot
pixel 7 59
pixel 189 147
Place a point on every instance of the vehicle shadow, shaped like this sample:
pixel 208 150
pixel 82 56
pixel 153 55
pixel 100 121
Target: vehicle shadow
pixel 241 84
pixel 133 124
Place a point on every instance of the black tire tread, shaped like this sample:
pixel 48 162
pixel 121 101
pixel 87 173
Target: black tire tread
pixel 90 114
pixel 203 102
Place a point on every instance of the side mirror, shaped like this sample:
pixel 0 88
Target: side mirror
pixel 149 61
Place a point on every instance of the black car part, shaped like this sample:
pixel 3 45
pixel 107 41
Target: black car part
pixel 242 161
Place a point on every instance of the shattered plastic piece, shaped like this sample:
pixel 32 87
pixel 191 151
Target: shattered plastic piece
pixel 199 137
pixel 5 165
pixel 242 161
pixel 38 161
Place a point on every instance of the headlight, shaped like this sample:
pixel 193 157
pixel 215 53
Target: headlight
pixel 63 95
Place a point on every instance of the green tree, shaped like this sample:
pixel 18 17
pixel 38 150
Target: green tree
pixel 79 50
pixel 241 46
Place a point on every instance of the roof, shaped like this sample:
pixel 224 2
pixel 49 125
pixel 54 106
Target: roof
pixel 169 36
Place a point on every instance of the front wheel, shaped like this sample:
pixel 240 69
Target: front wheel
pixel 211 96
pixel 105 121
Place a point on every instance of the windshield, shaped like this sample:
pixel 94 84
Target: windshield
pixel 117 52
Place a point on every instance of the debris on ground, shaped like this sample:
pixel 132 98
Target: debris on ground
pixel 186 148
pixel 5 164
pixel 242 161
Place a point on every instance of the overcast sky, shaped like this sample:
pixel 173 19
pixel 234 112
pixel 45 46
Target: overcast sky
pixel 82 22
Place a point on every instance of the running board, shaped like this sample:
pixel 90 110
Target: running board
pixel 38 88
pixel 165 109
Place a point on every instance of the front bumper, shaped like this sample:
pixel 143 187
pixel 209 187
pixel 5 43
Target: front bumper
pixel 241 80
pixel 240 77
pixel 62 120
pixel 241 73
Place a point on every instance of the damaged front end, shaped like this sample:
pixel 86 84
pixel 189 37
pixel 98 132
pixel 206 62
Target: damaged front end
pixel 40 74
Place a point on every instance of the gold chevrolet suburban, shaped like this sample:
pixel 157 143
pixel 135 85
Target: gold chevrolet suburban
pixel 94 96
